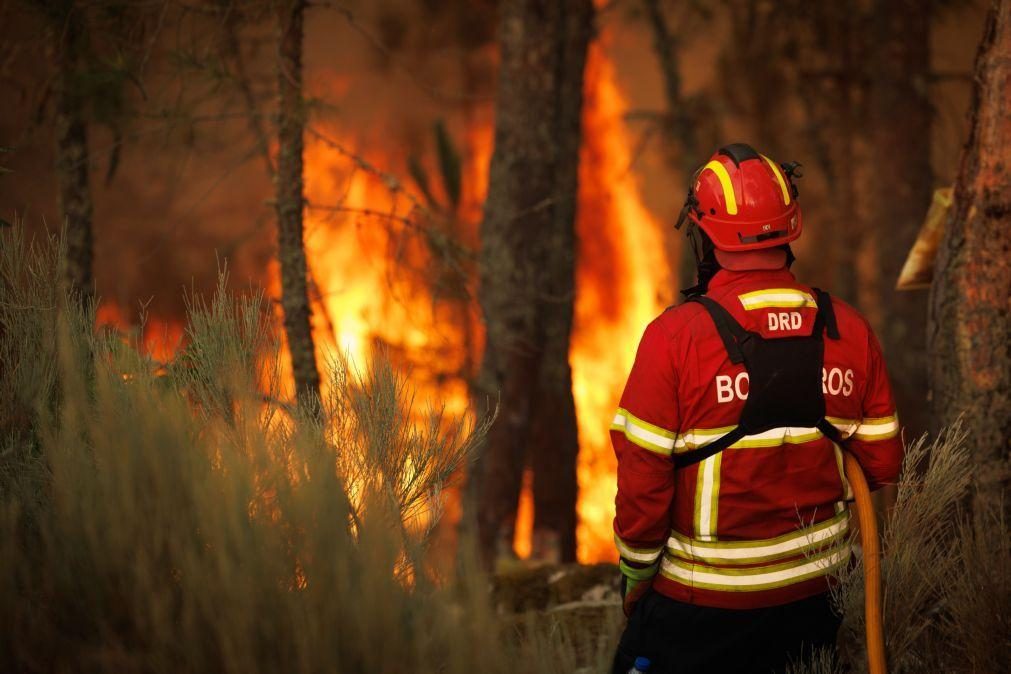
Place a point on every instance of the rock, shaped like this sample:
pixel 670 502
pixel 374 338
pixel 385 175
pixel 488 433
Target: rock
pixel 542 588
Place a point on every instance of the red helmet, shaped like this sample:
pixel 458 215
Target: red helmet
pixel 745 201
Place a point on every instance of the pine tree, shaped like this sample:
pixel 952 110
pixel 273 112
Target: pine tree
pixel 970 298
pixel 528 274
pixel 899 189
pixel 291 202
pixel 67 28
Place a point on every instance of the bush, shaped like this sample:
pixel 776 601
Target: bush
pixel 183 518
pixel 946 573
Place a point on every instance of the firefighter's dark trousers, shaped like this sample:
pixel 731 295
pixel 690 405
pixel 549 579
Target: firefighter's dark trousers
pixel 682 638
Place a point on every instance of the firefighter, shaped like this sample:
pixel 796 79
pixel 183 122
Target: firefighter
pixel 732 509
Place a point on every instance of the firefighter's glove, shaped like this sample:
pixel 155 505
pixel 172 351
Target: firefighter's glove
pixel 635 582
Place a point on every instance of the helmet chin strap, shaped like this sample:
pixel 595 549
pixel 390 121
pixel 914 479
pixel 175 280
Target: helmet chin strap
pixel 706 265
pixel 790 257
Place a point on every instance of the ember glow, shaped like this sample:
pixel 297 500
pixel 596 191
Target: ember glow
pixel 374 283
pixel 158 338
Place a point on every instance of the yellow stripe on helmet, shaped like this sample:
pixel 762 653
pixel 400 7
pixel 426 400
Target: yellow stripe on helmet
pixel 779 177
pixel 728 188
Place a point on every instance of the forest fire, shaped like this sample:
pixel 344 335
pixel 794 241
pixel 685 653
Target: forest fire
pixel 326 322
pixel 159 338
pixel 367 300
pixel 621 282
pixel 371 285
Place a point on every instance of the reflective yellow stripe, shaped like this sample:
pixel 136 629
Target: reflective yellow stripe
pixel 761 542
pixel 644 555
pixel 644 434
pixel 700 437
pixel 637 574
pixel 788 298
pixel 694 438
pixel 877 428
pixel 819 536
pixel 728 187
pixel 779 177
pixel 846 426
pixel 714 501
pixel 700 481
pixel 756 578
pixel 707 496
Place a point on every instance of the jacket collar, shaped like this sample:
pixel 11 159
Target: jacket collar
pixel 726 277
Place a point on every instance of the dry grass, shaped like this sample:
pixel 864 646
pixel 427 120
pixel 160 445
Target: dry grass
pixel 182 519
pixel 946 573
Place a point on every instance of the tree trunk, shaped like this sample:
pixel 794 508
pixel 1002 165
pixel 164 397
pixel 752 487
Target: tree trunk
pixel 554 443
pixel 527 273
pixel 831 90
pixel 761 88
pixel 900 190
pixel 679 127
pixel 72 154
pixel 288 183
pixel 970 299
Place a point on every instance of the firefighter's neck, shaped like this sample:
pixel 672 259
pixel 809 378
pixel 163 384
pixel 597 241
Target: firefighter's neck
pixel 729 276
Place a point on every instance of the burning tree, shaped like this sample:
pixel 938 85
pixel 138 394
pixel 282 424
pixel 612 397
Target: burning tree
pixel 528 274
pixel 970 322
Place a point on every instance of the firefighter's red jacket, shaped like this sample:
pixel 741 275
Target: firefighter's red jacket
pixel 764 522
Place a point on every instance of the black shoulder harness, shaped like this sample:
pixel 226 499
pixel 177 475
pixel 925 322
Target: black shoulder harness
pixel 785 377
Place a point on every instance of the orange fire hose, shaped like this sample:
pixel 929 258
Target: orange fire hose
pixel 872 565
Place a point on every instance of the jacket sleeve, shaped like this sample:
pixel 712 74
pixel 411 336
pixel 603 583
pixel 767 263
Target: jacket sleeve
pixel 876 442
pixel 643 434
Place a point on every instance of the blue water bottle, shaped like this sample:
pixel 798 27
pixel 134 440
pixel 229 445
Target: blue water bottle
pixel 641 666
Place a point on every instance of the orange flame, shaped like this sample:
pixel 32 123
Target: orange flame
pixel 160 339
pixel 371 290
pixel 621 285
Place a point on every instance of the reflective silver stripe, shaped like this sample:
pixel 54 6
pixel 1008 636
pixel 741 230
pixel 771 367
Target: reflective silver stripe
pixel 846 427
pixel 643 555
pixel 700 437
pixel 707 497
pixel 644 434
pixel 762 550
pixel 753 579
pixel 777 436
pixel 878 429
